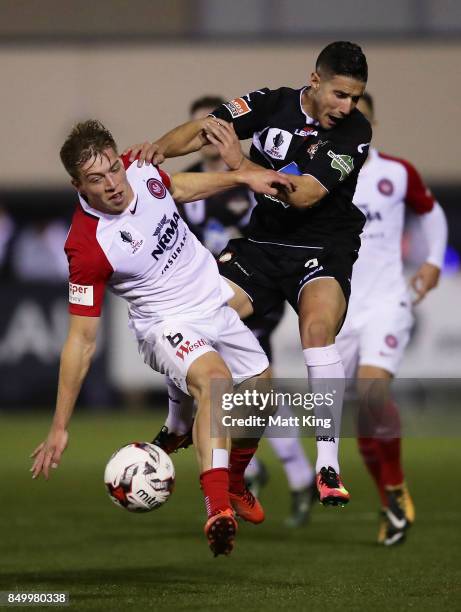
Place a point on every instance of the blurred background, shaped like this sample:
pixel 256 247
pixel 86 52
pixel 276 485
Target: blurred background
pixel 137 66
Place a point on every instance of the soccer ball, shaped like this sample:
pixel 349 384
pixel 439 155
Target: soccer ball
pixel 139 477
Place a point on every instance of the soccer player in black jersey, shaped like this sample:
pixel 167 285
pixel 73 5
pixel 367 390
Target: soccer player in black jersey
pixel 215 221
pixel 301 246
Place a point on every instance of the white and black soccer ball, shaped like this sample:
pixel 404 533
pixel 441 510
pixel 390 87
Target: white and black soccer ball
pixel 139 477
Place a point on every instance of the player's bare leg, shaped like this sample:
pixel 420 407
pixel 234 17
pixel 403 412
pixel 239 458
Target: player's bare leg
pixel 212 452
pixel 380 445
pixel 322 307
pixel 245 504
pixel 240 302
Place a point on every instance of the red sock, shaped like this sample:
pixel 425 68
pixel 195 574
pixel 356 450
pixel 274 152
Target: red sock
pixel 390 459
pixel 238 461
pixel 369 450
pixel 215 487
pixel 389 446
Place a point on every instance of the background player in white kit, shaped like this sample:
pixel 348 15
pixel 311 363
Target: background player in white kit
pixel 127 235
pixel 379 320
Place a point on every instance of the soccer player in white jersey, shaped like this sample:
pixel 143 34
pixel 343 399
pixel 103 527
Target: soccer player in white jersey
pixel 379 320
pixel 127 235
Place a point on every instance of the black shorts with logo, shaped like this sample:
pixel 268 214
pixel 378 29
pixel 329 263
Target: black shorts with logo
pixel 270 273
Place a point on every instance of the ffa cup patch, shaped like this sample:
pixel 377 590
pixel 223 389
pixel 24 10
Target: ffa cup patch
pixel 277 143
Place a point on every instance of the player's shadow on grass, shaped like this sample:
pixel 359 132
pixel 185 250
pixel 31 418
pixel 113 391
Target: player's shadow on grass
pixel 182 579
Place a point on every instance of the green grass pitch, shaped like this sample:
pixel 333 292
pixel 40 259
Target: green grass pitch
pixel 66 535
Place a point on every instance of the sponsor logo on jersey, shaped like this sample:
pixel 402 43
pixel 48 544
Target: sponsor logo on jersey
pixel 306 132
pixel 131 241
pixel 386 187
pixel 187 347
pixel 156 188
pixel 313 148
pixel 167 233
pixel 238 107
pixel 391 341
pixel 81 294
pixel 311 263
pixel 343 163
pixel 277 143
pixel 362 146
pixel 370 214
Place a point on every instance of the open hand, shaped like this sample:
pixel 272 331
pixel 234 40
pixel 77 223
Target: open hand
pixel 48 453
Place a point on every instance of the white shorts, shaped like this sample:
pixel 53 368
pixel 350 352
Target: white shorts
pixel 377 336
pixel 172 346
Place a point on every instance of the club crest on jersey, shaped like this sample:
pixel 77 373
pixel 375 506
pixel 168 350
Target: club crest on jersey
pixel 313 148
pixel 386 187
pixel 277 143
pixel 343 163
pixel 167 234
pixel 156 188
pixel 131 241
pixel 391 341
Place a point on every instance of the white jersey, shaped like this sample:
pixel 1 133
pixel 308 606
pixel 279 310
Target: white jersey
pixel 147 255
pixel 386 185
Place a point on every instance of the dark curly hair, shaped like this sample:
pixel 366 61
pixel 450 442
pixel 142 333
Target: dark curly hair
pixel 343 59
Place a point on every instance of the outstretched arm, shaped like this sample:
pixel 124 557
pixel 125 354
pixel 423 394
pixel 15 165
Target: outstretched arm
pixel 191 186
pixel 184 139
pixel 76 357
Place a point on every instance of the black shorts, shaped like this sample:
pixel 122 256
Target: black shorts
pixel 263 326
pixel 270 274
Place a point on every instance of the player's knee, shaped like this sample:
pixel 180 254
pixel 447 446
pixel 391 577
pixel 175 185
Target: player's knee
pixel 316 332
pixel 215 378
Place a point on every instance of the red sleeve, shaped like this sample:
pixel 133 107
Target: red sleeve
pixel 89 268
pixel 418 197
pixel 126 160
pixel 166 179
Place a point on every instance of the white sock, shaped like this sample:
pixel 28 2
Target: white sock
pixel 180 409
pixel 219 458
pixel 326 375
pixel 298 468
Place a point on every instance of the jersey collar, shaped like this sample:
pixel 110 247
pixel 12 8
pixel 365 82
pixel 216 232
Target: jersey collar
pixel 100 215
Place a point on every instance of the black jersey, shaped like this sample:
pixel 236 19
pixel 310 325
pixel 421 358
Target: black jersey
pixel 286 139
pixel 219 218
